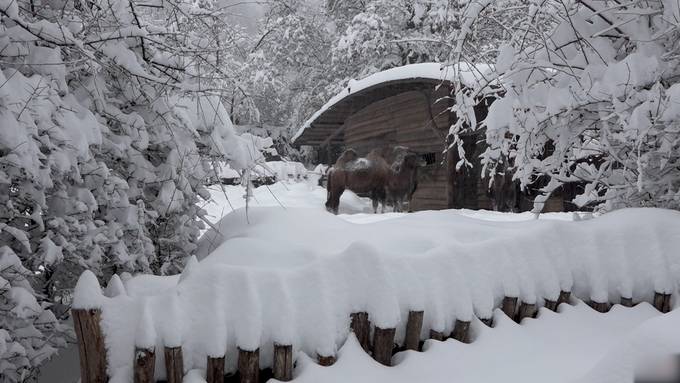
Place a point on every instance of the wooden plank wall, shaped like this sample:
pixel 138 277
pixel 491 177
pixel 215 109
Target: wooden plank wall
pixel 405 120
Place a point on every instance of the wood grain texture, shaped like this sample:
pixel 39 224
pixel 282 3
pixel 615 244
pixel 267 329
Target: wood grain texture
pixel 383 345
pixel 145 365
pixel 526 310
pixel 509 306
pixel 283 362
pixel 215 370
pixel 249 366
pixel 91 345
pixel 174 364
pixel 461 331
pixel 360 325
pixel 414 325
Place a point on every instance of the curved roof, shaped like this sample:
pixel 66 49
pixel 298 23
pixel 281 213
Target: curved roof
pixel 324 124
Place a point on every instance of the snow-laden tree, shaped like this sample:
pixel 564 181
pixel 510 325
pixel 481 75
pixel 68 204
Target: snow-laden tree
pixel 587 92
pixel 110 114
pixel 29 332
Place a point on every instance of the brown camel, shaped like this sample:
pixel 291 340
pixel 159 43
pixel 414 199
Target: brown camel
pixel 362 175
pixel 403 178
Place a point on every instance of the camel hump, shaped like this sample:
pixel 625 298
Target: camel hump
pixel 348 155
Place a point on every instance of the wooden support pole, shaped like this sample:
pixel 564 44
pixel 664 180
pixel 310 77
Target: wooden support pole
pixel 526 310
pixel 658 301
pixel 383 344
pixel 509 306
pixel 564 297
pixel 666 303
pixel 215 370
pixel 361 328
pixel 413 327
pixel 436 335
pixel 283 362
pixel 326 360
pixel 249 366
pixel 90 345
pixel 662 302
pixel 551 305
pixel 601 307
pixel 626 302
pixel 174 364
pixel 461 331
pixel 145 365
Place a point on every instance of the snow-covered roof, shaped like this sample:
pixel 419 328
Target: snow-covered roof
pixel 425 71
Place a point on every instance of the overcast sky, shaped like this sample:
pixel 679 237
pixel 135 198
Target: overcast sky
pixel 245 12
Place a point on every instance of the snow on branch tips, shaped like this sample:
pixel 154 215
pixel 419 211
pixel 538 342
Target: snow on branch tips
pixel 110 116
pixel 594 103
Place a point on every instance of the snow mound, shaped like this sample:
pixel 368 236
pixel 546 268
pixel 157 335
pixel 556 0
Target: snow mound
pixel 296 274
pixel 575 345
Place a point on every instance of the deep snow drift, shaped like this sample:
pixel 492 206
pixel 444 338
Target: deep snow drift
pixel 577 344
pixel 294 275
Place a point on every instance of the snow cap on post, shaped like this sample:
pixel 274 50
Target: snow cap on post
pixel 88 293
pixel 145 334
pixel 189 268
pixel 115 287
pixel 172 323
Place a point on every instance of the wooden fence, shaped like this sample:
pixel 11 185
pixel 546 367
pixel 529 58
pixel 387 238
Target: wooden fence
pixel 93 352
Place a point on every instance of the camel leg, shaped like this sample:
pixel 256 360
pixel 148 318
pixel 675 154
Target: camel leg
pixel 375 205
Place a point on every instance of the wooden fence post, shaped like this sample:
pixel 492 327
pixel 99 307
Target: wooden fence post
pixel 436 335
pixel 249 366
pixel 667 303
pixel 282 368
pixel 461 331
pixel 174 364
pixel 215 370
pixel 509 306
pixel 361 328
pixel 626 302
pixel 326 360
pixel 564 297
pixel 526 310
pixel 383 344
pixel 550 305
pixel 413 327
pixel 90 345
pixel 145 365
pixel 601 307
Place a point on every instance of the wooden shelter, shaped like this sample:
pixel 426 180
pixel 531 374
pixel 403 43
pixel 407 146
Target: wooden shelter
pixel 407 106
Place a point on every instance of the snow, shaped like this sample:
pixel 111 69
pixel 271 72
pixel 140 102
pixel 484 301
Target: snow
pixel 88 294
pixel 575 345
pixel 432 71
pixel 294 275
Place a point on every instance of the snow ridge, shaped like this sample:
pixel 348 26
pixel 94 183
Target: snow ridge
pixel 299 285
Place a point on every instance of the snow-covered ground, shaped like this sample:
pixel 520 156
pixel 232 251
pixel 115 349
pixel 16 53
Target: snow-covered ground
pixel 296 272
pixel 577 344
pixel 353 208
